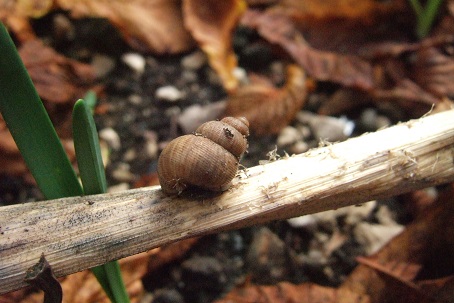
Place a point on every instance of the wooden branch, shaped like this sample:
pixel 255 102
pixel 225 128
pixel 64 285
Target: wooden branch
pixel 82 232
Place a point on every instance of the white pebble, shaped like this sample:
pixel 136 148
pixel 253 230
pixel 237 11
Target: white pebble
pixel 194 115
pixel 373 236
pixel 287 136
pixel 169 93
pixel 240 74
pixel 194 61
pixel 327 128
pixel 117 188
pixel 135 61
pixel 102 65
pixel 122 173
pixel 110 136
pixel 299 147
pixel 135 99
pixel 151 144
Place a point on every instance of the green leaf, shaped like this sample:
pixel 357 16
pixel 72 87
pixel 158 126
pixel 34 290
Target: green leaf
pixel 88 153
pixel 31 127
pixel 93 178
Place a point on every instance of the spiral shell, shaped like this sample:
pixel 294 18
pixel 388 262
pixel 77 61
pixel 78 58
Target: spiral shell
pixel 207 159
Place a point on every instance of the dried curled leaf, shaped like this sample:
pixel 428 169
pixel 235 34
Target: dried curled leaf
pixel 147 25
pixel 311 10
pixel 267 108
pixel 390 275
pixel 211 23
pixel 434 72
pixel 348 70
pixel 56 78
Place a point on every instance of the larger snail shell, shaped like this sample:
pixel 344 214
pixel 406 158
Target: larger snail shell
pixel 207 159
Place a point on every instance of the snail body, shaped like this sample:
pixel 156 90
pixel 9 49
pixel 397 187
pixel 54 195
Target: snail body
pixel 207 159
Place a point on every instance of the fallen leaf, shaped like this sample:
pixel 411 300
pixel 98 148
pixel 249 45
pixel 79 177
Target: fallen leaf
pixel 147 25
pixel 270 109
pixel 427 242
pixel 364 10
pixel 211 23
pixel 434 71
pixel 56 78
pixel 82 287
pixel 282 292
pixel 277 28
pixel 170 253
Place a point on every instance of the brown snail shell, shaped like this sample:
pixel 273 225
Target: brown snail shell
pixel 207 159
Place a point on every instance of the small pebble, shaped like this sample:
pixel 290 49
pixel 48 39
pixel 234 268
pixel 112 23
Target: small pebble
pixel 266 257
pixel 194 61
pixel 135 99
pixel 299 147
pixel 194 115
pixel 169 93
pixel 110 136
pixel 373 236
pixel 151 144
pixel 241 75
pixel 287 136
pixel 102 65
pixel 167 296
pixel 122 173
pixel 129 155
pixel 118 188
pixel 63 29
pixel 327 128
pixel 203 273
pixel 304 130
pixel 189 76
pixel 135 61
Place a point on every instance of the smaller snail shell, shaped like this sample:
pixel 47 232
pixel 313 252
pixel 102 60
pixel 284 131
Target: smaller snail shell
pixel 207 159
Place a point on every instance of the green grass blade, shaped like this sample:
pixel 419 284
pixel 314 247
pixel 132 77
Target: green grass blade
pixel 31 127
pixel 417 7
pixel 427 17
pixel 93 177
pixel 88 153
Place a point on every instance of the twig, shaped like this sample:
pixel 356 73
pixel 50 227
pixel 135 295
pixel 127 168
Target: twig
pixel 82 232
pixel 41 276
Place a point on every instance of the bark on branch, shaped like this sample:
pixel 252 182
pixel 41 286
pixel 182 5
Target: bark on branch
pixel 82 232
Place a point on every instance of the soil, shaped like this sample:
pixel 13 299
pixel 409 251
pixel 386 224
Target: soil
pixel 278 251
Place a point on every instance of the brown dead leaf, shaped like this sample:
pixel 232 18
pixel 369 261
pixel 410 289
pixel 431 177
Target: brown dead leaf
pixel 211 23
pixel 313 10
pixel 56 78
pixel 282 292
pixel 427 242
pixel 147 25
pixel 269 109
pixel 277 28
pixel 82 287
pixel 25 8
pixel 170 253
pixel 434 72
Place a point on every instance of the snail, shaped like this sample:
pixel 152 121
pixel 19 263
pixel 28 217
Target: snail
pixel 206 159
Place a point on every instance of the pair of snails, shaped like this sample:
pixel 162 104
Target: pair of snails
pixel 206 159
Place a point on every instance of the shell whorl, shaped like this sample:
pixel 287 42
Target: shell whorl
pixel 207 159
